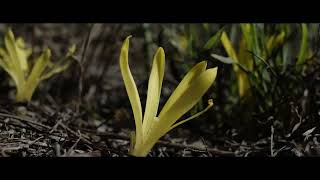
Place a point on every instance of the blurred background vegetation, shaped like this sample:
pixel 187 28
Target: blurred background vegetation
pixel 268 76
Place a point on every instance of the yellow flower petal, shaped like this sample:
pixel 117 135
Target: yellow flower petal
pixel 9 42
pixel 228 46
pixel 4 59
pixel 7 65
pixel 243 82
pixel 23 53
pixel 61 65
pixel 131 89
pixel 17 51
pixel 11 48
pixel 34 77
pixel 210 104
pixel 154 90
pixel 184 84
pixel 186 101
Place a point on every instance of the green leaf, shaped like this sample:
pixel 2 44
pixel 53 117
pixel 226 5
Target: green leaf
pixel 223 59
pixel 304 45
pixel 286 56
pixel 228 46
pixel 249 32
pixel 214 40
pixel 228 60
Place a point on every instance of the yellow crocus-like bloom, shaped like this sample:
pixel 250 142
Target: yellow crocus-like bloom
pixel 14 60
pixel 152 126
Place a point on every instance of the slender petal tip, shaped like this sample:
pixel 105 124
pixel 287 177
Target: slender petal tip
pixel 214 70
pixel 203 63
pixel 210 102
pixel 47 53
pixel 161 49
pixel 10 33
pixel 126 42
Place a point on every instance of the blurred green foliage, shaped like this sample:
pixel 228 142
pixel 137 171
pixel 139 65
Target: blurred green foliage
pixel 263 65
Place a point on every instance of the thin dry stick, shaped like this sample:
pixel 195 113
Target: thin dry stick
pixel 75 134
pixel 82 63
pixel 206 146
pixel 272 142
pixel 54 128
pixel 25 120
pixel 69 153
pixel 26 126
pixel 42 132
pixel 35 143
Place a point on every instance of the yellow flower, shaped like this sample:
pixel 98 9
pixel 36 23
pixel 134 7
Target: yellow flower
pixel 14 60
pixel 152 126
